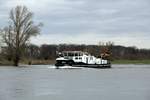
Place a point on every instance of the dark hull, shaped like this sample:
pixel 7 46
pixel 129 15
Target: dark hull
pixel 93 65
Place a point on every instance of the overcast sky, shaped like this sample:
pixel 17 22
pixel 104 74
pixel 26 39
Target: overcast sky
pixel 125 22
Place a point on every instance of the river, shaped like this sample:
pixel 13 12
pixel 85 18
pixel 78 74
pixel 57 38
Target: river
pixel 43 82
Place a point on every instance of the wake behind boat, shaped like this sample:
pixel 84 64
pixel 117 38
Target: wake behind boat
pixel 80 59
pixel 65 67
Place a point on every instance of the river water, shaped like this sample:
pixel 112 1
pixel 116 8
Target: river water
pixel 43 82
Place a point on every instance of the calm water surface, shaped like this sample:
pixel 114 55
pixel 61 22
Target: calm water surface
pixel 122 82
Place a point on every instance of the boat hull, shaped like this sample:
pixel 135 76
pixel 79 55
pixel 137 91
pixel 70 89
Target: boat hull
pixel 80 64
pixel 93 65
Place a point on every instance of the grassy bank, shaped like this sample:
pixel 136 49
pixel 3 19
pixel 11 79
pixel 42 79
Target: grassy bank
pixel 131 61
pixel 5 63
pixel 38 62
pixel 27 62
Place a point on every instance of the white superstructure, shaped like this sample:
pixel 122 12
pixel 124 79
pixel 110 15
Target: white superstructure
pixel 80 57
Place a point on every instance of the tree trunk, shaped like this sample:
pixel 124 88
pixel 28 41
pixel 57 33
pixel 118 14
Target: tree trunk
pixel 16 59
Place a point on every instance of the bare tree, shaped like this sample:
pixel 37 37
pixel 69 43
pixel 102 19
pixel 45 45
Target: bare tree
pixel 19 31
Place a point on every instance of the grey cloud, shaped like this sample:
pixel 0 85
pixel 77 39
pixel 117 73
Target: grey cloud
pixel 127 16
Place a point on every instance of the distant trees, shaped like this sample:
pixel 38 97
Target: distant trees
pixel 114 51
pixel 49 52
pixel 32 52
pixel 17 34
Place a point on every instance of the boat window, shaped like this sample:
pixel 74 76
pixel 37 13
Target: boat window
pixel 80 58
pixel 76 58
pixel 65 54
pixel 70 54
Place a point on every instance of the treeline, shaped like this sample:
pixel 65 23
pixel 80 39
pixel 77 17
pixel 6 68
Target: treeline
pixel 49 52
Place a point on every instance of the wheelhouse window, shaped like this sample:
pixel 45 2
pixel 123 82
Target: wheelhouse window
pixel 65 54
pixel 73 53
pixel 70 54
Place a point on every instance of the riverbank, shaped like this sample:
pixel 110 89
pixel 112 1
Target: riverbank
pixel 28 62
pixel 38 62
pixel 48 62
pixel 147 61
